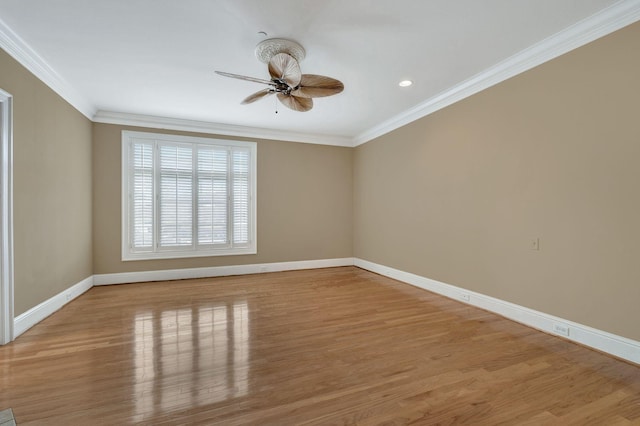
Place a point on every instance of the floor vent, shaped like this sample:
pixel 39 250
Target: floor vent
pixel 6 418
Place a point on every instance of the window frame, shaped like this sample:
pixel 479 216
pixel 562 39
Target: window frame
pixel 157 252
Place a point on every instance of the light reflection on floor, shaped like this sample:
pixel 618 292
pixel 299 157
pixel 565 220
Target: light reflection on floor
pixel 190 357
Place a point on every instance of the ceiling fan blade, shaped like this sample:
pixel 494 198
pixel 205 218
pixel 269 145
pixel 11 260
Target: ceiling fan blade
pixel 295 103
pixel 317 86
pixel 244 77
pixel 284 67
pixel 258 95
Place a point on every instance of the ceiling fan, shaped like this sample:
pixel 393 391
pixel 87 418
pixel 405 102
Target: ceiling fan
pixel 294 89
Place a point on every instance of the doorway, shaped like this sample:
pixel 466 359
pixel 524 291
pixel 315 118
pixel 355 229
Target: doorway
pixel 6 218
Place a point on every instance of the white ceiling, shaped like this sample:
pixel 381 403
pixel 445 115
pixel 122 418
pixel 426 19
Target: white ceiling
pixel 157 57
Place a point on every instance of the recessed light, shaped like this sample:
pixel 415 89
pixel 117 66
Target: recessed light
pixel 405 83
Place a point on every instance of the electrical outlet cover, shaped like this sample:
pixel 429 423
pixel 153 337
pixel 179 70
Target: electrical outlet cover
pixel 561 329
pixel 535 244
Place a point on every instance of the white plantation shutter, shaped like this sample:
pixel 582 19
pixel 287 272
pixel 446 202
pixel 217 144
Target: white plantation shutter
pixel 175 202
pixel 213 195
pixel 142 191
pixel 241 195
pixel 187 196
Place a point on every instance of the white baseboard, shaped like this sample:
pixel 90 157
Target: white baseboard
pixel 618 346
pixel 25 321
pixel 216 271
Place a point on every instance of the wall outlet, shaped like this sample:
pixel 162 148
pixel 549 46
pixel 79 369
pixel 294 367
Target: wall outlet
pixel 561 329
pixel 534 244
pixel 465 296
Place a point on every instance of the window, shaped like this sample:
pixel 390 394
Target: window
pixel 184 196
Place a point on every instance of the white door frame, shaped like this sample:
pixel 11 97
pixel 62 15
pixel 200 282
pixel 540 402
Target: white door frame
pixel 6 218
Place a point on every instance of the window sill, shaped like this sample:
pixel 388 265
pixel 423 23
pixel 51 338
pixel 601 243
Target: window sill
pixel 127 257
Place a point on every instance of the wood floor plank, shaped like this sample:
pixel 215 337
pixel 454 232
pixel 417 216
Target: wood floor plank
pixel 329 346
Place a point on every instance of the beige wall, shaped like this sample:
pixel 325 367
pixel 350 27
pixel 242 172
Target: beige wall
pixel 52 189
pixel 552 154
pixel 304 205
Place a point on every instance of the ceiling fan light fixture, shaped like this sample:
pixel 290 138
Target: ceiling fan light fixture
pixel 405 83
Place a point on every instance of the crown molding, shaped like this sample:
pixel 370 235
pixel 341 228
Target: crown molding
pixel 154 122
pixel 613 18
pixel 19 50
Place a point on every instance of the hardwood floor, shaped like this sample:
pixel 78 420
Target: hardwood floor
pixel 331 346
